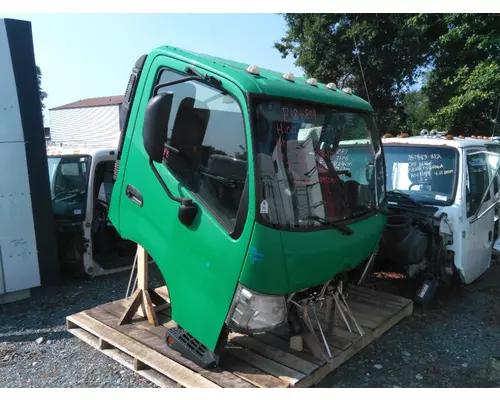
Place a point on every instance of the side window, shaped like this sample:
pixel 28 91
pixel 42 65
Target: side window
pixel 169 76
pixel 71 174
pixel 70 169
pixel 207 128
pixel 74 168
pixel 103 184
pixel 494 162
pixel 477 182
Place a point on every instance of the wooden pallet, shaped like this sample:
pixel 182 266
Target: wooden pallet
pixel 264 361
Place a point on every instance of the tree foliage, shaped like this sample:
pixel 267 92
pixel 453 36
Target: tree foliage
pixel 460 53
pixel 464 81
pixel 390 50
pixel 416 111
pixel 43 95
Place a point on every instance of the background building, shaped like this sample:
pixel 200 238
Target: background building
pixel 89 122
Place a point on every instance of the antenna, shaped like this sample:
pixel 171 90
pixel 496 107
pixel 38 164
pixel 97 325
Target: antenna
pixel 495 121
pixel 361 68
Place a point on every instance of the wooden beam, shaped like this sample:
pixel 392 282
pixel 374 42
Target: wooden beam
pixel 141 299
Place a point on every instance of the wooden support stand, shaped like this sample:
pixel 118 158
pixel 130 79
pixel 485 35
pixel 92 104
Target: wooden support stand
pixel 144 299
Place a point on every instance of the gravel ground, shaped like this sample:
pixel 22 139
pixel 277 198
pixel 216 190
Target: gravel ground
pixel 455 342
pixel 61 360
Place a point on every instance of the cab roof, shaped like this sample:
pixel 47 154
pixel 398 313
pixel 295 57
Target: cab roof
pixel 81 151
pixel 438 141
pixel 268 82
pixel 354 142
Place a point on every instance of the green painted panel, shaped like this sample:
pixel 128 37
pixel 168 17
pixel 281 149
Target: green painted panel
pixel 201 263
pixel 281 262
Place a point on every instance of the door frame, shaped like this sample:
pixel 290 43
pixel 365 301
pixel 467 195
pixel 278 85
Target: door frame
pixel 483 210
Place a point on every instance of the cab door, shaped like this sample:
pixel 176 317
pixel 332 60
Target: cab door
pixel 494 162
pixel 200 263
pixel 479 213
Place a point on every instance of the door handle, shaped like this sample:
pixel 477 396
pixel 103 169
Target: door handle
pixel 133 194
pixel 490 236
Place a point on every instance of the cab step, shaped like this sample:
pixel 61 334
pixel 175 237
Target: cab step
pixel 183 342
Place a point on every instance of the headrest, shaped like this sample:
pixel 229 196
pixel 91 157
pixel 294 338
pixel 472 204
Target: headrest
pixel 189 129
pixel 228 167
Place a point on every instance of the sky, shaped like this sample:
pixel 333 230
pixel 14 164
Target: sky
pixel 92 55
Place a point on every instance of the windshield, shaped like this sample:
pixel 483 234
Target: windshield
pixel 316 164
pixel 425 173
pixel 68 185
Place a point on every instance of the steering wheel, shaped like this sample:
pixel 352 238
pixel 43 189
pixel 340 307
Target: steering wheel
pixel 414 184
pixel 58 188
pixel 68 193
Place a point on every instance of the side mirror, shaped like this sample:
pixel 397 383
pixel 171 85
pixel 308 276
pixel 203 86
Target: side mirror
pixel 156 125
pixel 154 134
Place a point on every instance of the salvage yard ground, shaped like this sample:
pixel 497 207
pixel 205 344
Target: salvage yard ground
pixel 455 342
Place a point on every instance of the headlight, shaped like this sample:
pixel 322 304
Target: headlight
pixel 256 312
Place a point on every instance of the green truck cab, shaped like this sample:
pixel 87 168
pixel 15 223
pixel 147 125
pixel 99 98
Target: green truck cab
pixel 226 177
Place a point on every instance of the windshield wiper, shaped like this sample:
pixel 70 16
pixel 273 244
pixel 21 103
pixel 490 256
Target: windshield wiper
pixel 341 227
pixel 404 196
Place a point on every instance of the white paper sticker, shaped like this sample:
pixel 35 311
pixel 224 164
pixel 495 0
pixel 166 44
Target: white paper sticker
pixel 423 291
pixel 477 162
pixel 77 212
pixel 264 207
pixel 441 198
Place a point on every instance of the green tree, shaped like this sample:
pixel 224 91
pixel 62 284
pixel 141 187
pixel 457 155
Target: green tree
pixel 461 53
pixel 43 95
pixel 464 81
pixel 416 112
pixel 392 53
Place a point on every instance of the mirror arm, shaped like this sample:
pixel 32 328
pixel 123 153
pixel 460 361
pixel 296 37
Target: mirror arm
pixel 210 80
pixel 187 210
pixel 177 151
pixel 473 153
pixel 182 200
pixel 193 71
pixel 476 217
pixel 182 80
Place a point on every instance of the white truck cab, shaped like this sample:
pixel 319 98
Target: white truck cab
pixel 81 182
pixel 443 194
